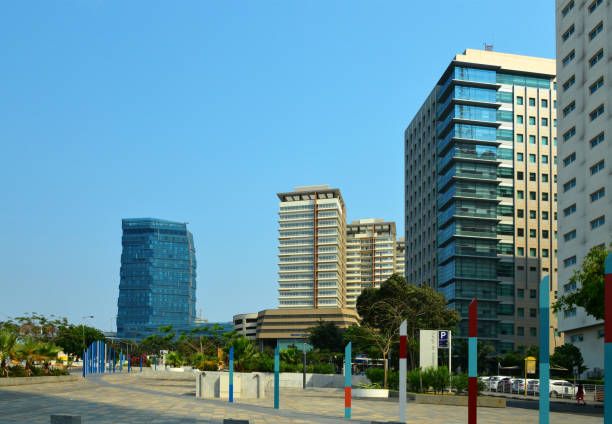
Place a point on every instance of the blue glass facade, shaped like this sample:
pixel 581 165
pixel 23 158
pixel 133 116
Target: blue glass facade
pixel 157 278
pixel 468 193
pixel 475 189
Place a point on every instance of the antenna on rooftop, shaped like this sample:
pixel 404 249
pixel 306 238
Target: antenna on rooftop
pixel 488 47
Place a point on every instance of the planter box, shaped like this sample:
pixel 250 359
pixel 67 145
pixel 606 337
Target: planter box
pixel 23 381
pixel 370 393
pixel 483 401
pixel 176 369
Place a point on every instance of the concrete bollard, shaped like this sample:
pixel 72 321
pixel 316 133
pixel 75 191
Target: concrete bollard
pixel 199 385
pixel 65 419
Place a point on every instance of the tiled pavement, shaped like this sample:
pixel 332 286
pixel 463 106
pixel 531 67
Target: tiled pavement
pixel 147 399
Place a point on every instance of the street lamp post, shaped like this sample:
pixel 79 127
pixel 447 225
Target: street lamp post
pixel 83 327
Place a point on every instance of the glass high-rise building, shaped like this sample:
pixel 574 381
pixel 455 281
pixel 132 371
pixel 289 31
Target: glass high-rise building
pixel 158 277
pixel 481 192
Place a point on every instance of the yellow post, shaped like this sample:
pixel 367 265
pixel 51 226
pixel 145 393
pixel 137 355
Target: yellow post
pixel 530 368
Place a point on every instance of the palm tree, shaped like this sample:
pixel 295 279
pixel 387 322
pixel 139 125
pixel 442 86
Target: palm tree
pixel 174 359
pixel 7 349
pixel 244 351
pixel 46 352
pixel 28 352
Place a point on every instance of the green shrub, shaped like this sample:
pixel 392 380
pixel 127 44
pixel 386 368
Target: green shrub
pixel 393 379
pixel 440 379
pixel 414 380
pixel 460 382
pixel 264 363
pixel 59 371
pixel 376 375
pixel 17 371
pixel 323 368
pixel 37 372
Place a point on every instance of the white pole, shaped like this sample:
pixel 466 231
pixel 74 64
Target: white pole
pixel 402 376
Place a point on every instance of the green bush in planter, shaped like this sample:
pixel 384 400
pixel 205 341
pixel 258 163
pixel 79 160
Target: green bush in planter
pixel 414 380
pixel 376 375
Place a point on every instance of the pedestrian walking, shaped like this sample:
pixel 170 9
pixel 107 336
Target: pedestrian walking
pixel 580 394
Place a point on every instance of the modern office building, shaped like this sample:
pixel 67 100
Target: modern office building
pixel 287 327
pixel 584 73
pixel 312 228
pixel 480 199
pixel 246 324
pixel 157 278
pixel 371 256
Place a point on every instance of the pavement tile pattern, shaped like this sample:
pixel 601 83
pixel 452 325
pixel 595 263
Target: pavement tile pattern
pixel 146 399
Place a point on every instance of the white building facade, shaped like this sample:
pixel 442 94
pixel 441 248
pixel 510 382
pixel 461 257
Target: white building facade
pixel 584 90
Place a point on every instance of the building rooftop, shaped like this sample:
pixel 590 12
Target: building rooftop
pixel 511 62
pixel 311 193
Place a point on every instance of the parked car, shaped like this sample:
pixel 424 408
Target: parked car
pixel 562 388
pixel 493 382
pixel 501 385
pixel 509 384
pixel 533 387
pixel 518 386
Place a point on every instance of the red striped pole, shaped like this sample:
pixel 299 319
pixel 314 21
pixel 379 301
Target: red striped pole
pixel 347 380
pixel 472 361
pixel 402 368
pixel 608 340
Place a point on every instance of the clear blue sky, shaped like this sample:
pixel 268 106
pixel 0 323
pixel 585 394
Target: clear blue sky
pixel 201 112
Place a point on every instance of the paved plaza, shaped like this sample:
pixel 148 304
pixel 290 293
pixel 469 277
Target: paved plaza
pixel 142 398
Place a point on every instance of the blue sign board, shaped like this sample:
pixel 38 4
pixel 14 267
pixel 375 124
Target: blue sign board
pixel 443 339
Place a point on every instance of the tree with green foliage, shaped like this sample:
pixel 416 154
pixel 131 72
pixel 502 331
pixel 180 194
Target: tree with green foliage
pixel 589 282
pixel 245 353
pixel 75 339
pixel 8 340
pixel 383 309
pixel 360 338
pixel 568 356
pixel 46 352
pixel 28 351
pixel 326 335
pixel 174 359
pixel 487 357
pixel 39 326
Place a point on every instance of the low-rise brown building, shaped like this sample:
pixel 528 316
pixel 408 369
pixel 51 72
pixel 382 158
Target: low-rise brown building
pixel 290 326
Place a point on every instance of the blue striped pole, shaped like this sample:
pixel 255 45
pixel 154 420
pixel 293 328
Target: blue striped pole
pixel 608 340
pixel 140 363
pixel 121 361
pixel 231 376
pixel 544 350
pixel 276 376
pixel 83 364
pixel 347 380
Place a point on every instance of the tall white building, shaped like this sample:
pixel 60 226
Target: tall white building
pixel 371 256
pixel 312 229
pixel 584 90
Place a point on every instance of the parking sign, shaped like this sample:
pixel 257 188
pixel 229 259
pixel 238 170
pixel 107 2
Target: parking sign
pixel 443 339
